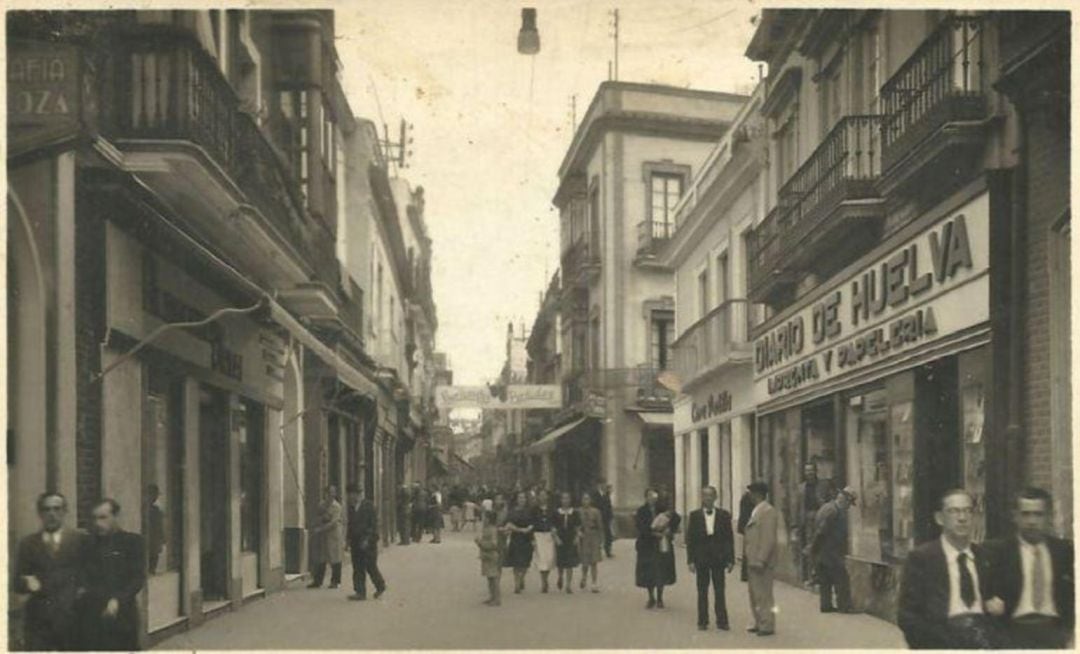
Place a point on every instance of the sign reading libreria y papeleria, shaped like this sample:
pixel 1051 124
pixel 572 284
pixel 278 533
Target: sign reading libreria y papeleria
pixel 934 285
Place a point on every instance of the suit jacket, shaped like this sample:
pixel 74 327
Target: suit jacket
pixel 759 544
pixel 62 577
pixel 1007 580
pixel 924 594
pixel 704 550
pixel 363 526
pixel 830 540
pixel 115 569
pixel 746 507
pixel 603 502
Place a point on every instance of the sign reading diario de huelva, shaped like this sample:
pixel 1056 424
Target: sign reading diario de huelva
pixel 933 285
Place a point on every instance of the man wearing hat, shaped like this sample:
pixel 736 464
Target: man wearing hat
pixel 828 549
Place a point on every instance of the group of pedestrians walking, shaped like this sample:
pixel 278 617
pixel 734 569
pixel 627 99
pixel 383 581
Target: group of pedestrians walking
pixel 533 531
pixel 353 528
pixel 419 511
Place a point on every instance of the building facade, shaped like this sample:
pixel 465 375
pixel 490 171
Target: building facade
pixel 901 252
pixel 627 166
pixel 708 252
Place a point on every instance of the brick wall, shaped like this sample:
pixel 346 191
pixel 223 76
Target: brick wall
pixel 89 332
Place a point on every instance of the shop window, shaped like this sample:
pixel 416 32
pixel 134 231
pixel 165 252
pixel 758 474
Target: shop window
pixel 901 425
pixel 819 433
pixel 869 473
pixel 250 429
pixel 163 445
pixel 973 387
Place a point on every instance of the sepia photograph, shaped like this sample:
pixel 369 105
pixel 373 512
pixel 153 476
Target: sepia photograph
pixel 521 325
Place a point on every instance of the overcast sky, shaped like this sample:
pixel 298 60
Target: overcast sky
pixel 491 127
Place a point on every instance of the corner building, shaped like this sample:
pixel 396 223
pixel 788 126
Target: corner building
pixel 896 263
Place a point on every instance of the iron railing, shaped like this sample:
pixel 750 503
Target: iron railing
pixel 643 381
pixel 712 340
pixel 652 233
pixel 946 70
pixel 844 166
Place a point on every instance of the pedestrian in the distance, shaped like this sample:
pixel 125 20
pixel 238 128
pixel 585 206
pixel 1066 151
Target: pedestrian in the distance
pixel 746 507
pixel 567 539
pixel 710 553
pixel 607 512
pixel 469 512
pixel 403 514
pixel 592 541
pixel 828 549
pixel 519 549
pixel 760 551
pixel 363 531
pixel 114 576
pixel 544 539
pixel 326 542
pixel 435 515
pixel 490 561
pixel 419 512
pixel 155 528
pixel 50 568
pixel 455 510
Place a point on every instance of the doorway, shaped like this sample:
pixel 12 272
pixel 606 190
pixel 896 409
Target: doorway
pixel 213 494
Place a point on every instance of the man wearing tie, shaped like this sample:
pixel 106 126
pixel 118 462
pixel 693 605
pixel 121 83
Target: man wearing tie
pixel 710 551
pixel 50 568
pixel 760 551
pixel 943 584
pixel 363 544
pixel 1031 586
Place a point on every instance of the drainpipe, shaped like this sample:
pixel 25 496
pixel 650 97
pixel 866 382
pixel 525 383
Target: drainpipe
pixel 1014 435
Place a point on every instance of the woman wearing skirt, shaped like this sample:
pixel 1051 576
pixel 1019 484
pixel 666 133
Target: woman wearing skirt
pixel 567 531
pixel 545 543
pixel 519 550
pixel 592 540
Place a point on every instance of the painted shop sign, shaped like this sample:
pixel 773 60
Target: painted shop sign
pixel 518 396
pixel 717 404
pixel 44 94
pixel 934 285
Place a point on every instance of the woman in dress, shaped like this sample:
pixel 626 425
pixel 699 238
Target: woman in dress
pixel 592 540
pixel 490 563
pixel 647 547
pixel 567 539
pixel 519 550
pixel 664 526
pixel 545 542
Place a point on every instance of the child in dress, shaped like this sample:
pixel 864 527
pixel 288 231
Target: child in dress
pixel 470 515
pixel 490 558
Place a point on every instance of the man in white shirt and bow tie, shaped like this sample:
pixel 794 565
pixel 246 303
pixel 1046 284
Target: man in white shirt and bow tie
pixel 1031 585
pixel 710 553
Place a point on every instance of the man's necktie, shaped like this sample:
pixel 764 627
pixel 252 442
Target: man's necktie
pixel 1038 581
pixel 967 582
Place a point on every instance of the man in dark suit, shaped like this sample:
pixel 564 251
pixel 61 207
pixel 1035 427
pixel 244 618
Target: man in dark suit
pixel 115 573
pixel 419 511
pixel 363 530
pixel 603 502
pixel 943 584
pixel 828 549
pixel 50 568
pixel 1031 587
pixel 710 552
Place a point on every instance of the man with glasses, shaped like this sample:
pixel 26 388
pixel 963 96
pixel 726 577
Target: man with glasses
pixel 1032 584
pixel 50 569
pixel 943 584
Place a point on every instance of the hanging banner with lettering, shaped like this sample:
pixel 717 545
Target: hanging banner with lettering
pixel 934 285
pixel 47 94
pixel 515 396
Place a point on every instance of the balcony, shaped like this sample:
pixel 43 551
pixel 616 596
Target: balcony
pixel 935 109
pixel 651 237
pixel 166 105
pixel 830 198
pixel 648 392
pixel 715 341
pixel 581 265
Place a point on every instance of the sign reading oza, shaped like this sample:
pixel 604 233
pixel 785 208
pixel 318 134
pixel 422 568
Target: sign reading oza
pixel 934 285
pixel 514 397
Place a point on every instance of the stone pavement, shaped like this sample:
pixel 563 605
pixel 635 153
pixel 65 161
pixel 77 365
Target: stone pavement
pixel 434 602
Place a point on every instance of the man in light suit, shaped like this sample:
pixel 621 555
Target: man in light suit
pixel 1031 587
pixel 710 552
pixel 760 551
pixel 944 583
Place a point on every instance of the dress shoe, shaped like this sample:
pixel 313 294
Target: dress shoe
pixel 357 598
pixel 314 585
pixel 828 609
pixel 703 627
pixel 659 603
pixel 723 626
pixel 651 604
pixel 379 593
pixel 766 633
pixel 752 630
pixel 333 586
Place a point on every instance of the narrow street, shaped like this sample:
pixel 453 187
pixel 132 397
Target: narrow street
pixel 434 602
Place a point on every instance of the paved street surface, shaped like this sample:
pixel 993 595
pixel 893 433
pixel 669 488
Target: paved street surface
pixel 434 602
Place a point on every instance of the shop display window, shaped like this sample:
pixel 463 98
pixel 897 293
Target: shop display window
pixel 250 428
pixel 163 488
pixel 869 472
pixel 972 416
pixel 902 433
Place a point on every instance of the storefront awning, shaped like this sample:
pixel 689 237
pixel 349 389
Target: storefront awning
pixel 548 441
pixel 346 372
pixel 653 419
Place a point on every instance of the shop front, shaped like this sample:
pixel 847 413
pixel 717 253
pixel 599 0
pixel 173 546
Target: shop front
pixel 881 381
pixel 714 423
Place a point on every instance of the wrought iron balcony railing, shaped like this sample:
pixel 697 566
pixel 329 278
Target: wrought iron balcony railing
pixel 944 80
pixel 652 234
pixel 711 341
pixel 845 166
pixel 644 381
